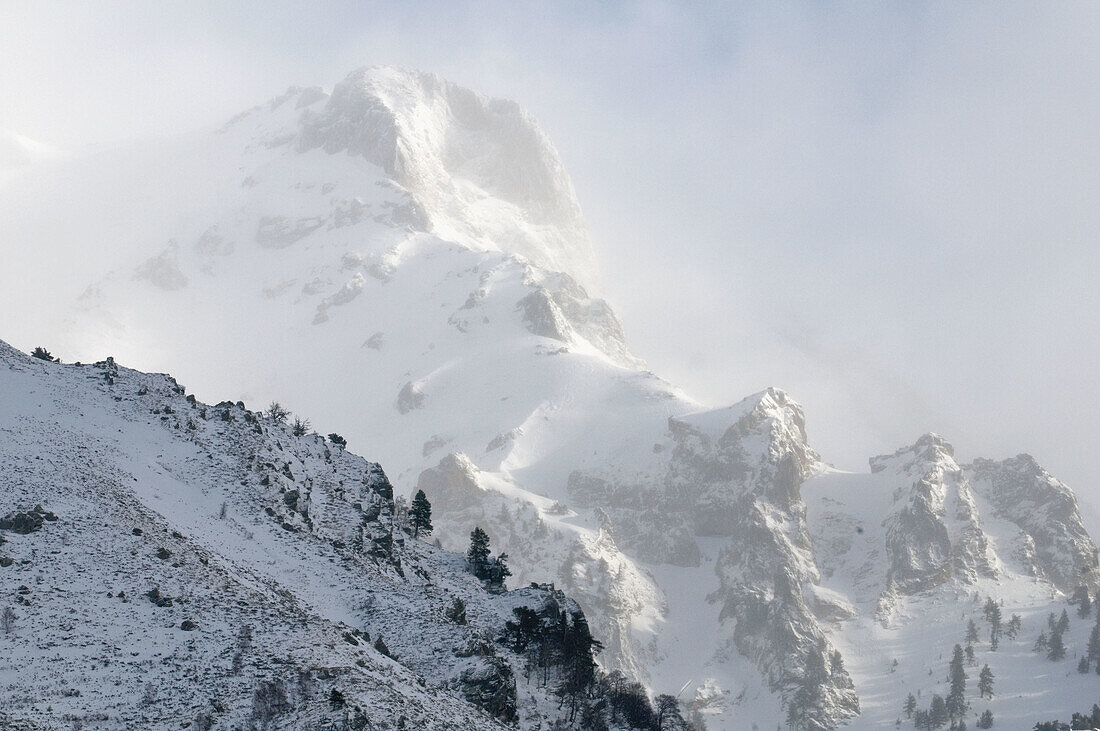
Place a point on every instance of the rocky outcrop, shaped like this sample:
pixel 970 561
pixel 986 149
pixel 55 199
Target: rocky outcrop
pixel 736 473
pixel 1046 512
pixel 560 308
pixel 934 532
pixel 749 476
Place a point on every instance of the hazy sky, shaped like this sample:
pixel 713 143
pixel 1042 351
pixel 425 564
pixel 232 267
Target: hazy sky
pixel 889 210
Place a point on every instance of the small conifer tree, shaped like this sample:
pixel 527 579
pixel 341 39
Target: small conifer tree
pixel 457 611
pixel 910 705
pixel 477 555
pixel 956 698
pixel 985 682
pixel 276 412
pixel 1057 649
pixel 420 514
pixel 937 712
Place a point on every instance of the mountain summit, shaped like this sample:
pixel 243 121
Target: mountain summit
pixel 481 168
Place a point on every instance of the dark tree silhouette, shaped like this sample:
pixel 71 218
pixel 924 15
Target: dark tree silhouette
pixel 420 514
pixel 477 555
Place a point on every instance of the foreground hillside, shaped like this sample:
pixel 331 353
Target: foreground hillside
pixel 168 562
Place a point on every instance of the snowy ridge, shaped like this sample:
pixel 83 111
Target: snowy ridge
pixel 172 525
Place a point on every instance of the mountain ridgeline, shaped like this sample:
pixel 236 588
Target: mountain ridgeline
pixel 172 562
pixel 406 260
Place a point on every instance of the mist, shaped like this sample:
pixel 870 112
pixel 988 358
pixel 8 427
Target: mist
pixel 887 211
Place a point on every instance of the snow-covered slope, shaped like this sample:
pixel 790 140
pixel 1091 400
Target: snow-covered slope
pixel 914 550
pixel 405 261
pixel 171 562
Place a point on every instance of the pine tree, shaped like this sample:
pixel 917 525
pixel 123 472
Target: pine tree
pixel 1013 627
pixel 994 626
pixel 499 571
pixel 1063 622
pixel 970 655
pixel 836 663
pixel 578 665
pixel 1057 649
pixel 277 413
pixel 937 712
pixel 1083 665
pixel 1041 642
pixel 808 695
pixel 668 713
pixel 956 698
pixel 971 632
pixel 1084 609
pixel 985 682
pixel 420 514
pixel 986 719
pixel 477 555
pixel 457 611
pixel 1093 652
pixel 910 705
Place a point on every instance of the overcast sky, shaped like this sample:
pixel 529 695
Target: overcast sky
pixel 890 210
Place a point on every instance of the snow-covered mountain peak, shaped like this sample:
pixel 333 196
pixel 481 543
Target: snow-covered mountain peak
pixel 929 448
pixel 481 168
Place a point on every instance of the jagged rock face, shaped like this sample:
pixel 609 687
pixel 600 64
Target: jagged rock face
pixel 767 568
pixel 736 473
pixel 561 309
pixel 762 454
pixel 934 532
pixel 1046 512
pixel 714 464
